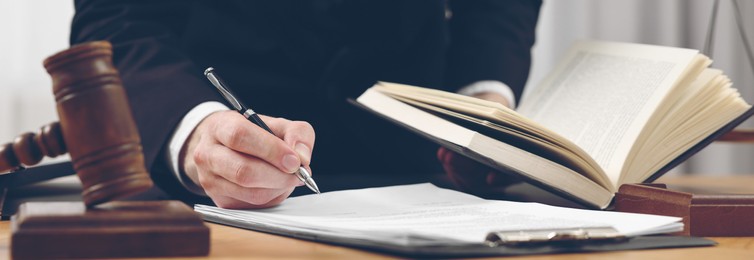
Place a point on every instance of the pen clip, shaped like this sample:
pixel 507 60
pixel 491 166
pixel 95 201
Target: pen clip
pixel 574 236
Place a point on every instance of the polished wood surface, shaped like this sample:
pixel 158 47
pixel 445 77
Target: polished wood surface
pixel 229 242
pixel 68 229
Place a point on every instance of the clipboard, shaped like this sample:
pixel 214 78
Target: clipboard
pixel 525 242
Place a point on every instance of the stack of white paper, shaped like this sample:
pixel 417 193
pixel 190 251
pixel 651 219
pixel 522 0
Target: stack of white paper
pixel 423 214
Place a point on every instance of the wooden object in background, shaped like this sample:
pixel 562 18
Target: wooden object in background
pixel 96 127
pixel 98 131
pixel 739 136
pixel 115 229
pixel 97 124
pixel 30 148
pixel 721 215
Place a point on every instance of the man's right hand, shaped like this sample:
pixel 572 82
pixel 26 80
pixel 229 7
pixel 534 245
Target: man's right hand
pixel 240 165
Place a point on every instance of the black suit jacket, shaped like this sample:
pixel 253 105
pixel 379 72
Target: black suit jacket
pixel 302 59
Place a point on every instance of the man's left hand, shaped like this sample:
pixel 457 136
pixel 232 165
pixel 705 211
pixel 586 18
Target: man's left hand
pixel 470 175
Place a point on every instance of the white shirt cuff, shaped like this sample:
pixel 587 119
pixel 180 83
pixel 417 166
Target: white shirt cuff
pixel 490 86
pixel 182 132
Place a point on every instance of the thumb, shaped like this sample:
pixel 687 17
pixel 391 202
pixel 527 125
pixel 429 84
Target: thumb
pixel 299 135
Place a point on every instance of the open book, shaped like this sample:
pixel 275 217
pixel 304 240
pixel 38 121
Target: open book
pixel 426 220
pixel 609 114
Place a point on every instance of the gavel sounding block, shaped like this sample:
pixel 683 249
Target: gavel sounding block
pixel 113 229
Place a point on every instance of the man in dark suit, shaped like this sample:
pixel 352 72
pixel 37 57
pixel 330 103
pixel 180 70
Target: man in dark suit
pixel 300 60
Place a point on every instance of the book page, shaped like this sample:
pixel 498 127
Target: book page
pixel 709 104
pixel 494 153
pixel 524 140
pixel 423 214
pixel 454 105
pixel 602 94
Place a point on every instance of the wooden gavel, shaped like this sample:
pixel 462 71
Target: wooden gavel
pixel 96 127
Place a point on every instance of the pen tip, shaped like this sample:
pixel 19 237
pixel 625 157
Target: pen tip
pixel 306 177
pixel 312 185
pixel 208 70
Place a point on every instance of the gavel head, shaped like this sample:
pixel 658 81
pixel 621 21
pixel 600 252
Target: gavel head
pixel 96 123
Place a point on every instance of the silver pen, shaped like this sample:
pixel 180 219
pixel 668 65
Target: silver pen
pixel 252 116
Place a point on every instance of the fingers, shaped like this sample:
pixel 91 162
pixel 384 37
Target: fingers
pixel 241 165
pixel 298 134
pixel 464 172
pixel 471 175
pixel 237 133
pixel 229 195
pixel 243 170
pixel 499 179
pixel 236 180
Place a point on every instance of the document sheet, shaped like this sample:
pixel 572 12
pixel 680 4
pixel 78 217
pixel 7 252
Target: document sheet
pixel 422 215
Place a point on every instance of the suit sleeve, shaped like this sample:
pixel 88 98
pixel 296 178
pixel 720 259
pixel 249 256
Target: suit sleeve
pixel 491 40
pixel 161 82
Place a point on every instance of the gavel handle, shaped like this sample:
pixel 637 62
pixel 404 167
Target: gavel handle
pixel 29 148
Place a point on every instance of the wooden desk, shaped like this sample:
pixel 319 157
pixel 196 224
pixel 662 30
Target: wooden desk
pixel 228 242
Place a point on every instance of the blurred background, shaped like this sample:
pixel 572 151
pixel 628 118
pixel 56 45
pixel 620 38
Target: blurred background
pixel 32 30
